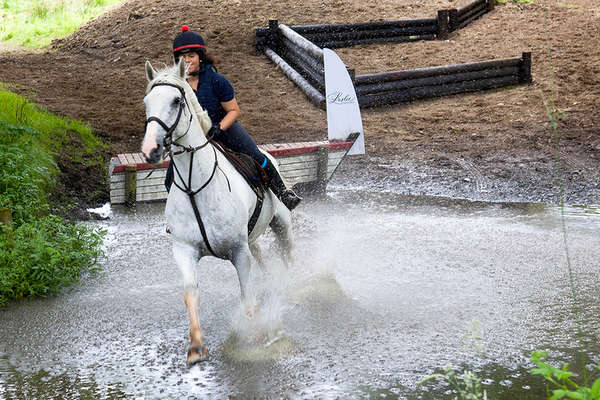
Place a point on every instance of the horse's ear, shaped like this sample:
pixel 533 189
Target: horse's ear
pixel 150 71
pixel 181 67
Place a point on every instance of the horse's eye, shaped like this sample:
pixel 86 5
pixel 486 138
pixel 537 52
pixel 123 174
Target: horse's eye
pixel 177 101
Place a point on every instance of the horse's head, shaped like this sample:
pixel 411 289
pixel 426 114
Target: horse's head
pixel 166 110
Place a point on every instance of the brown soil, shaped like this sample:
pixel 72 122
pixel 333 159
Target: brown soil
pixel 494 145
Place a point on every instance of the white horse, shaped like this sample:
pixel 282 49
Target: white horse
pixel 210 204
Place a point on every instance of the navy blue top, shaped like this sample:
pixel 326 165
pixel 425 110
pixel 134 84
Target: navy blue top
pixel 213 89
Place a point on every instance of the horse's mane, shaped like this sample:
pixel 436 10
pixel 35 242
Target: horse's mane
pixel 171 75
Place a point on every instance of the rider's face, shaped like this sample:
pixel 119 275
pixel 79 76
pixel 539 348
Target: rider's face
pixel 192 61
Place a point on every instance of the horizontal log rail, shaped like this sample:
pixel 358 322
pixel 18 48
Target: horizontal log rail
pixel 433 71
pixel 316 78
pixel 434 80
pixel 333 28
pixel 436 91
pixel 397 39
pixel 475 16
pixel 372 34
pixel 301 42
pixel 476 4
pixel 313 94
pixel 316 64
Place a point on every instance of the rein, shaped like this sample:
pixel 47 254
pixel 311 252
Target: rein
pixel 168 141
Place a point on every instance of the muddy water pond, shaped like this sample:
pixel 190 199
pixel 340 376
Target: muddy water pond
pixel 386 290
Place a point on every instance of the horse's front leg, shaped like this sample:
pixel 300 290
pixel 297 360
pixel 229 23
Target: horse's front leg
pixel 186 257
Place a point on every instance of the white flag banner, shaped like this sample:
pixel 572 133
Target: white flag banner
pixel 343 112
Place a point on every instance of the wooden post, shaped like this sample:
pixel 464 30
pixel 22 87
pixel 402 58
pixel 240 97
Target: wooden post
pixel 352 74
pixel 442 21
pixel 130 185
pixel 272 40
pixel 5 216
pixel 322 164
pixel 525 69
pixel 452 19
pixel 491 4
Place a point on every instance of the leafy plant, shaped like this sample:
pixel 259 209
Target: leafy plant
pixel 27 173
pixel 40 253
pixel 561 379
pixel 42 257
pixel 467 384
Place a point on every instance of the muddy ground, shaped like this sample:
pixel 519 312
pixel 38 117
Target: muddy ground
pixel 495 145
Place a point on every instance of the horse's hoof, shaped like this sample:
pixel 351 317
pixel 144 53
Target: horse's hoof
pixel 251 310
pixel 196 355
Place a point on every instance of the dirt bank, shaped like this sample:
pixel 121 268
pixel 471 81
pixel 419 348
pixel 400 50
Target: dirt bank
pixel 496 145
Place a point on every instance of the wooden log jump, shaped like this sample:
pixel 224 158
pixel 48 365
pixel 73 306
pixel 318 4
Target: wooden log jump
pixel 372 34
pixel 298 51
pixel 395 39
pixel 435 71
pixel 333 28
pixel 299 163
pixel 436 91
pixel 461 17
pixel 313 94
pixel 301 42
pixel 437 80
pixel 399 86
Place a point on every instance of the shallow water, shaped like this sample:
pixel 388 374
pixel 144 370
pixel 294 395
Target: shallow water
pixel 387 289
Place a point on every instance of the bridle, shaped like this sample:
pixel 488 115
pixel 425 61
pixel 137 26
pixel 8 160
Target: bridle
pixel 168 142
pixel 168 139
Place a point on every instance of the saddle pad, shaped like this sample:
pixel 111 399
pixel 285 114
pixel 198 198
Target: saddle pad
pixel 254 175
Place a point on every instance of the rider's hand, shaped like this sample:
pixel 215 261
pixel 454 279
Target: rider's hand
pixel 215 130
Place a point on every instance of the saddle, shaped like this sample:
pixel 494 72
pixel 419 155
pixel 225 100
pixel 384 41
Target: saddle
pixel 255 176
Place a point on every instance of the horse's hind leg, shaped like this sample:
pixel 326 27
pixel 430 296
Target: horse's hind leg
pixel 257 254
pixel 186 257
pixel 282 227
pixel 242 260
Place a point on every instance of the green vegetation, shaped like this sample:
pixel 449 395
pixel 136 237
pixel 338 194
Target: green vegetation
pixel 467 385
pixel 35 23
pixel 561 379
pixel 41 253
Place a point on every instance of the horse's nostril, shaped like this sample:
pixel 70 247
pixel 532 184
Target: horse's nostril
pixel 154 156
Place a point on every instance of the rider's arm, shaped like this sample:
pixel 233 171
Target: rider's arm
pixel 232 113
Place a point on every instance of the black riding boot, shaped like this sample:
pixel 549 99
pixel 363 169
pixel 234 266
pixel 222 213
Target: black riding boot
pixel 287 196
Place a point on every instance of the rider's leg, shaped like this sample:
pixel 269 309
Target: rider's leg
pixel 237 139
pixel 287 196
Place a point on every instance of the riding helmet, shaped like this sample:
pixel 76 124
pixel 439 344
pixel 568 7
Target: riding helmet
pixel 187 41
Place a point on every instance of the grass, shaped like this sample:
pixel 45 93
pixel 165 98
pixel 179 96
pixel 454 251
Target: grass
pixel 17 110
pixel 41 253
pixel 35 23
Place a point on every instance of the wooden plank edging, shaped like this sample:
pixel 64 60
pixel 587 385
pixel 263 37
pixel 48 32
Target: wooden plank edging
pixel 276 150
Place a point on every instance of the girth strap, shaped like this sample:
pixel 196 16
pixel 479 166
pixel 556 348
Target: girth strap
pixel 255 214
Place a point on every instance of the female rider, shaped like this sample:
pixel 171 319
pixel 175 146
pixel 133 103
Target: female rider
pixel 215 94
